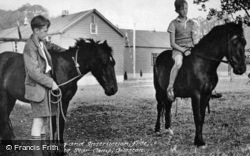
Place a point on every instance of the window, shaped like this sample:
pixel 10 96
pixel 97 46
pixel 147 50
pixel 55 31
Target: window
pixel 93 28
pixel 153 58
pixel 93 25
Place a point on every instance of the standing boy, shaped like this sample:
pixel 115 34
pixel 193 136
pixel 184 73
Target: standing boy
pixel 38 81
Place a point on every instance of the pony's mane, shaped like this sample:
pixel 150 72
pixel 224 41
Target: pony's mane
pixel 219 31
pixel 81 42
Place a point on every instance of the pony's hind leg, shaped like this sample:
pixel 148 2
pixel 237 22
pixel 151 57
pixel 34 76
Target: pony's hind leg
pixel 11 104
pixel 159 112
pixel 5 126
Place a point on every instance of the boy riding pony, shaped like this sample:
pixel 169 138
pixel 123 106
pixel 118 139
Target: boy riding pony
pixel 183 36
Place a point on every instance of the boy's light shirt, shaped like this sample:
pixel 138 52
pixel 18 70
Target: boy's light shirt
pixel 195 30
pixel 48 67
pixel 185 22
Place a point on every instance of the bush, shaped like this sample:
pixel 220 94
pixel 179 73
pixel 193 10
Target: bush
pixel 247 60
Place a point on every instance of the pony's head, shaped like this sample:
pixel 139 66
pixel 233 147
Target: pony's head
pixel 101 63
pixel 236 43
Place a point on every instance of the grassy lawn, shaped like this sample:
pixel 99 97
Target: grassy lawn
pixel 124 123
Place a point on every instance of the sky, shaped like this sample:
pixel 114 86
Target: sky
pixel 141 14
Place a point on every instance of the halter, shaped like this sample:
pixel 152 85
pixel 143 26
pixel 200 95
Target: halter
pixel 215 59
pixel 77 69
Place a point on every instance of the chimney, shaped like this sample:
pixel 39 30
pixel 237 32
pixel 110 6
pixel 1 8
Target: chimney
pixel 65 13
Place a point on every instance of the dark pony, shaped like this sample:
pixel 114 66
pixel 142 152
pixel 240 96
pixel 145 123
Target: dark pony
pixel 198 76
pixel 91 56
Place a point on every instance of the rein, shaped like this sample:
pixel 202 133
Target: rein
pixel 213 59
pixel 77 69
pixel 58 97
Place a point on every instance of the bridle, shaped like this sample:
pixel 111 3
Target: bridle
pixel 213 59
pixel 218 60
pixel 77 69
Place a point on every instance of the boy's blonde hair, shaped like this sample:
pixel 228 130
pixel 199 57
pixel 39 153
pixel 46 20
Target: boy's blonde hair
pixel 179 3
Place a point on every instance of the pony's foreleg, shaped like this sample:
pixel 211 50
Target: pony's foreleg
pixel 65 104
pixel 56 139
pixel 53 127
pixel 199 108
pixel 62 126
pixel 204 104
pixel 11 104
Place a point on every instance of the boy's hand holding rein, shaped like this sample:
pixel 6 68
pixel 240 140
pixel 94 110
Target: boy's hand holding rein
pixel 54 86
pixel 187 52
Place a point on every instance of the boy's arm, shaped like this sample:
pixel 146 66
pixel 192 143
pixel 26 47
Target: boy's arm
pixel 51 47
pixel 174 45
pixel 171 30
pixel 33 69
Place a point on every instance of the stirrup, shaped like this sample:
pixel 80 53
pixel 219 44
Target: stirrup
pixel 170 94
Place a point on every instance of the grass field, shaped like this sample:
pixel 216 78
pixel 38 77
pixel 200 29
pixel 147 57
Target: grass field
pixel 124 123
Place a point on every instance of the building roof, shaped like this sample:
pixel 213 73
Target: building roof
pixel 58 25
pixel 13 32
pixel 61 23
pixel 148 39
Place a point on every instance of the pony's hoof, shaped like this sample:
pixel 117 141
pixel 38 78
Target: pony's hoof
pixel 168 131
pixel 165 131
pixel 202 147
pixel 158 133
pixel 199 143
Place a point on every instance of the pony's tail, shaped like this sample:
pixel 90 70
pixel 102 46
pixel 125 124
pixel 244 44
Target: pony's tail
pixel 156 83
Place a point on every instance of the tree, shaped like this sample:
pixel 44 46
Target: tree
pixel 228 7
pixel 9 18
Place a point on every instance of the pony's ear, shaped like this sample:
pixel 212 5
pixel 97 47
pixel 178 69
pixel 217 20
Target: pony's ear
pixel 239 22
pixel 90 40
pixel 105 43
